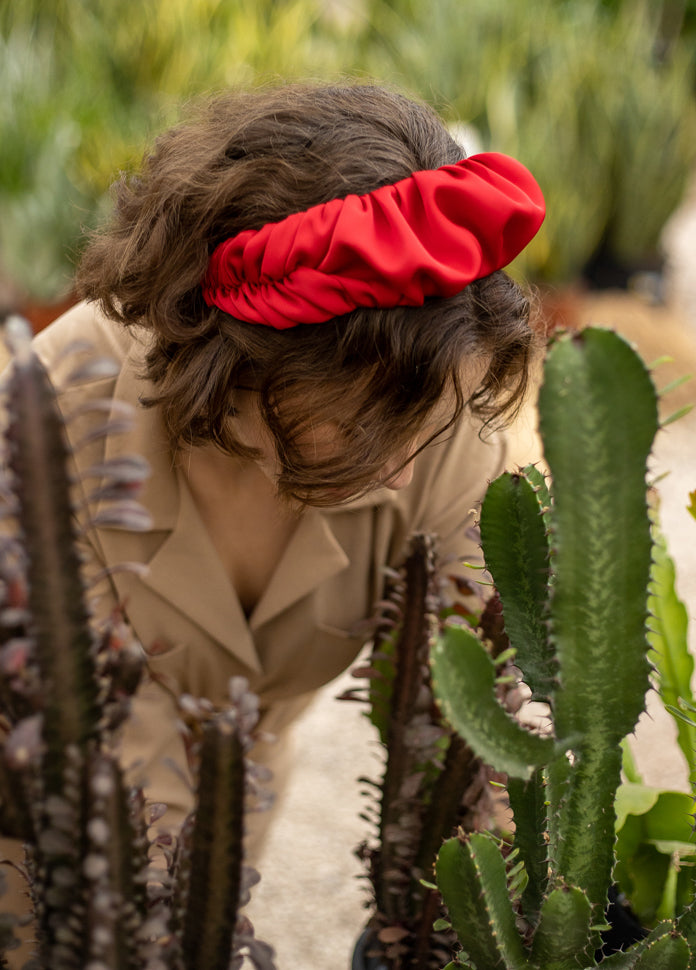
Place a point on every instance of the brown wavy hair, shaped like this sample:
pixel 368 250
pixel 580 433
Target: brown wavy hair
pixel 247 158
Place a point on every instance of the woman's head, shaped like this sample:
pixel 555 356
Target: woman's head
pixel 376 375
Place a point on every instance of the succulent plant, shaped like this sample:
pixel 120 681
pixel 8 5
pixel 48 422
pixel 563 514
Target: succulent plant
pixel 432 782
pixel 572 563
pixel 99 901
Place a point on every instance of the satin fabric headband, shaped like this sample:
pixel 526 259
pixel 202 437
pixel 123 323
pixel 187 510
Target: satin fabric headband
pixel 430 234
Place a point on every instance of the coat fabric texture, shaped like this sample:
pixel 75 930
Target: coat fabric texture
pixel 305 629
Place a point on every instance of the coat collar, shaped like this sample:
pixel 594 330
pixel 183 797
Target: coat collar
pixel 186 570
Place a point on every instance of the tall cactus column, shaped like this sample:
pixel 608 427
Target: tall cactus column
pixel 598 419
pixel 572 566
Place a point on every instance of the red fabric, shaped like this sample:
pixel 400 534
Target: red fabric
pixel 427 235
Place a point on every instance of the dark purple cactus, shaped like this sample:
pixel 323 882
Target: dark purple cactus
pixel 432 782
pixel 65 684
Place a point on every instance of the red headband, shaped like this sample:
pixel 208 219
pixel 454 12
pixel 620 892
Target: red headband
pixel 430 234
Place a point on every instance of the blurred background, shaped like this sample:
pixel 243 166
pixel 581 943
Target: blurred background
pixel 597 97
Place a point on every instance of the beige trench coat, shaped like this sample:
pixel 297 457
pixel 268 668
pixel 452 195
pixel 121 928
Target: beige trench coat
pixel 184 611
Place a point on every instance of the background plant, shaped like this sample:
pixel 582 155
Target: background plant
pixel 88 84
pixel 597 97
pixel 582 92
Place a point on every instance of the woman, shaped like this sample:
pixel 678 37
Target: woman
pixel 314 338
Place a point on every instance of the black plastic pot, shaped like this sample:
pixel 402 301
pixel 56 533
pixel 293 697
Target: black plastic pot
pixel 623 932
pixel 361 958
pixel 624 929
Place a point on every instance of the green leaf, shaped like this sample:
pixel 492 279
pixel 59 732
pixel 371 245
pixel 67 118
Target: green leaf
pixel 667 908
pixel 641 873
pixel 676 415
pixel 654 833
pixel 516 550
pixel 666 816
pixel 675 384
pixel 668 636
pixel 472 879
pixel 464 684
pixel 674 847
pixel 634 799
pixel 562 938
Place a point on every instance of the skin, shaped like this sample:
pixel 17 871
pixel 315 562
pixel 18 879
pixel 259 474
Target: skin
pixel 249 524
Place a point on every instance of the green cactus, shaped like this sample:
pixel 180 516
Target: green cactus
pixel 64 688
pixel 572 566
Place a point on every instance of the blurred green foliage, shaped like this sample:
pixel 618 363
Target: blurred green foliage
pixel 596 96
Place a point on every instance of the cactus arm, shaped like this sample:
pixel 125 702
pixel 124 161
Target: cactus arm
pixel 686 924
pixel 601 539
pixel 528 803
pixel 116 905
pixel 472 879
pixel 516 549
pixel 216 850
pixel 669 952
pixel 562 935
pixel 410 655
pixel 628 959
pixel 541 486
pixel 445 802
pixel 64 645
pixel 623 960
pixel 464 683
pixel 582 820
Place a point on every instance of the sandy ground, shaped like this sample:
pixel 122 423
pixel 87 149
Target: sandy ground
pixel 309 904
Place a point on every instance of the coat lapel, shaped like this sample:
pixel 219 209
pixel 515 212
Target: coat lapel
pixel 185 570
pixel 312 556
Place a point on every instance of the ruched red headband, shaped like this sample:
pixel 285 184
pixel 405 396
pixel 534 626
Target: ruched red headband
pixel 430 234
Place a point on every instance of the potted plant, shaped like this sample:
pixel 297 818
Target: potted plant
pixel 432 781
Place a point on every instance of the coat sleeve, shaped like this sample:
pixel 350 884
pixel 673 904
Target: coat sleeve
pixel 448 502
